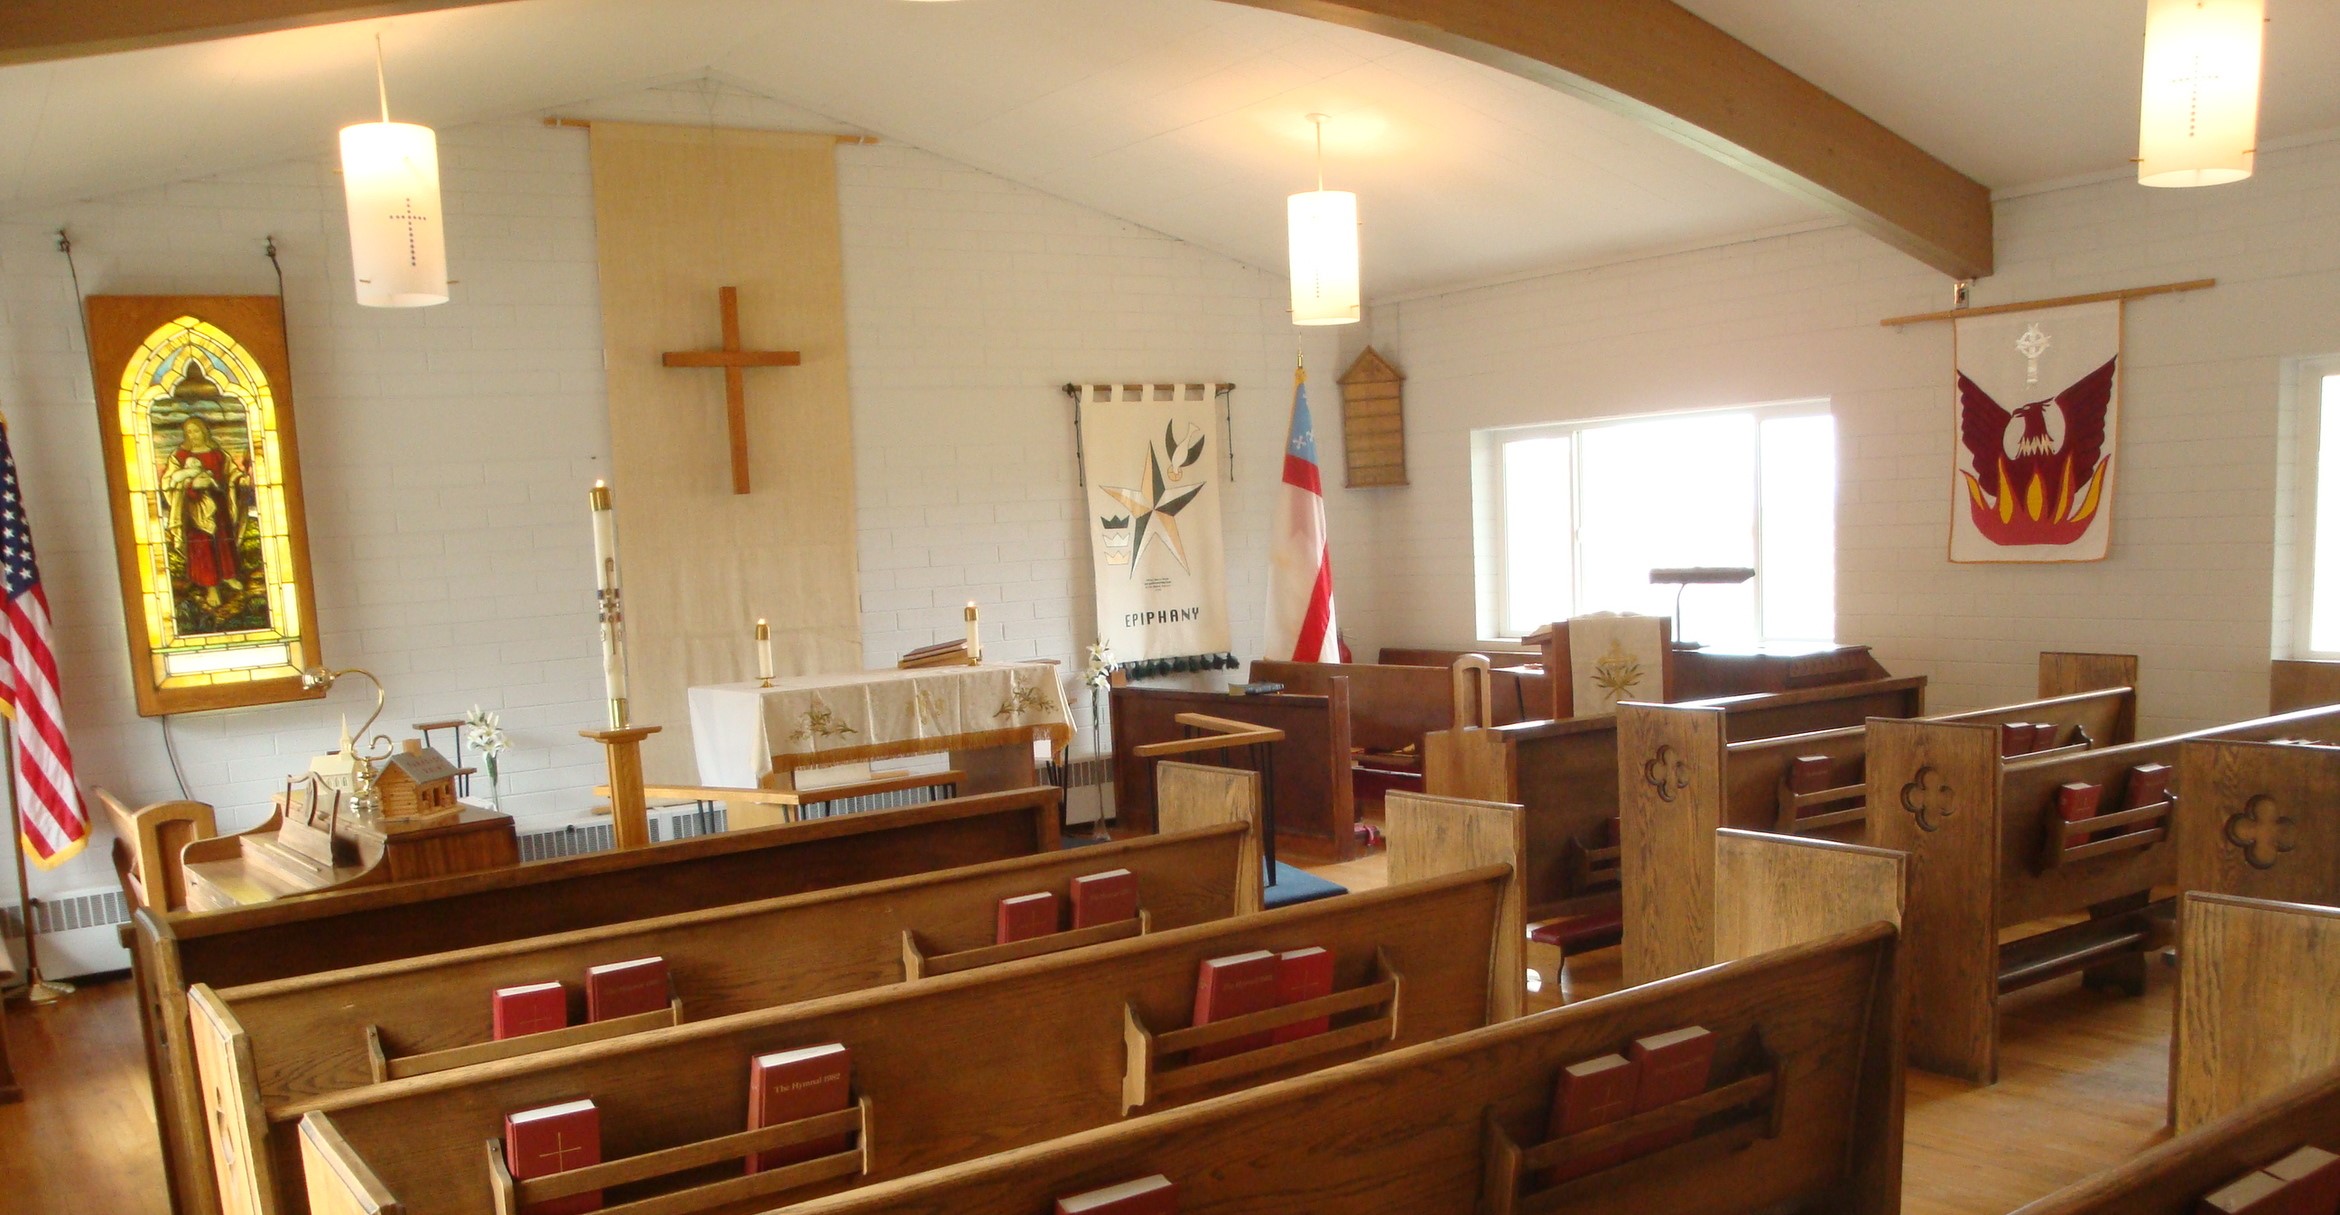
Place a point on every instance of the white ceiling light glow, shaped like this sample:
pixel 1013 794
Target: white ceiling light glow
pixel 1325 289
pixel 2198 121
pixel 390 178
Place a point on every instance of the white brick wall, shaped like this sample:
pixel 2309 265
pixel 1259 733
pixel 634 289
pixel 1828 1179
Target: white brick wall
pixel 445 450
pixel 2189 583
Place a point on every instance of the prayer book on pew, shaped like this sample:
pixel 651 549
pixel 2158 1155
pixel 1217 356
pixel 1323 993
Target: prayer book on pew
pixel 2078 801
pixel 1613 832
pixel 1810 773
pixel 2254 1193
pixel 2148 783
pixel 1593 1093
pixel 1230 987
pixel 1026 916
pixel 2015 738
pixel 789 1085
pixel 625 989
pixel 2043 736
pixel 1674 1067
pixel 554 1139
pixel 2311 1176
pixel 1155 1195
pixel 530 1008
pixel 1104 898
pixel 1303 974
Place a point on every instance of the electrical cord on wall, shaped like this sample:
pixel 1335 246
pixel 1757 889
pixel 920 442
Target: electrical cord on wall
pixel 171 748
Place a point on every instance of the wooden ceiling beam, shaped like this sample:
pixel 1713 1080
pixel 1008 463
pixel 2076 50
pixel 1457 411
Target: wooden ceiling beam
pixel 1669 69
pixel 1650 60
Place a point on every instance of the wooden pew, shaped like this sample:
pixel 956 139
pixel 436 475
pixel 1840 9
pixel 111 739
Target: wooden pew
pixel 1310 782
pixel 147 844
pixel 172 951
pixel 269 1044
pixel 980 1061
pixel 2302 683
pixel 2254 1002
pixel 1457 1125
pixel 1990 854
pixel 1667 829
pixel 2260 820
pixel 1391 708
pixel 1566 774
pixel 2173 1178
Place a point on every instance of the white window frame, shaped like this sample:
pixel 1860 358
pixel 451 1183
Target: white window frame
pixel 2304 386
pixel 1511 630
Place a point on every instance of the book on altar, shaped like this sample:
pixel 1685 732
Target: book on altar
pixel 1026 916
pixel 940 654
pixel 1233 986
pixel 625 989
pixel 1595 1092
pixel 1674 1067
pixel 530 1008
pixel 789 1085
pixel 1104 898
pixel 1810 773
pixel 554 1139
pixel 1155 1195
pixel 1303 974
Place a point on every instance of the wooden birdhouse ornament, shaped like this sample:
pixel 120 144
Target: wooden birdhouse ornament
pixel 415 781
pixel 1373 422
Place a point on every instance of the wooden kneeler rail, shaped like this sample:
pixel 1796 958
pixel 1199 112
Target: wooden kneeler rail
pixel 172 952
pixel 1991 853
pixel 1803 1111
pixel 1682 777
pixel 273 1044
pixel 955 1066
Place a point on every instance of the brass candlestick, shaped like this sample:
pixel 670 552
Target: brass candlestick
pixel 364 799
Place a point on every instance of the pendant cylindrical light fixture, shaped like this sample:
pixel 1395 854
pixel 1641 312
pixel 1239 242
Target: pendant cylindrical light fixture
pixel 1325 288
pixel 390 178
pixel 2198 120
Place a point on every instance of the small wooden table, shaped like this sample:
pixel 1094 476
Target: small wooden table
pixel 9 1090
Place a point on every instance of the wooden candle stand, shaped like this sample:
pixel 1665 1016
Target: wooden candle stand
pixel 629 808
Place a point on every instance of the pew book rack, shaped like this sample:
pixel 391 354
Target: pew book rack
pixel 1146 1080
pixel 513 1196
pixel 919 962
pixel 388 1067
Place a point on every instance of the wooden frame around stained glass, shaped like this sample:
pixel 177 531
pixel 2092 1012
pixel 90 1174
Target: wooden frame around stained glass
pixel 203 479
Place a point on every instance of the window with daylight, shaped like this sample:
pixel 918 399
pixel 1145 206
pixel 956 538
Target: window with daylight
pixel 1585 510
pixel 2319 411
pixel 214 569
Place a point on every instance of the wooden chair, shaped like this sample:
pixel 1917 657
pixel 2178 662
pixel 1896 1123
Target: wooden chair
pixel 173 951
pixel 1710 782
pixel 981 1061
pixel 148 844
pixel 1992 853
pixel 1458 1124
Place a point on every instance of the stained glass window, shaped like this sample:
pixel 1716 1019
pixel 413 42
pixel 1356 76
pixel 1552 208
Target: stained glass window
pixel 203 469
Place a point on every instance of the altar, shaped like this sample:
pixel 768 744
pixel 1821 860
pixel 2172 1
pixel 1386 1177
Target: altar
pixel 988 717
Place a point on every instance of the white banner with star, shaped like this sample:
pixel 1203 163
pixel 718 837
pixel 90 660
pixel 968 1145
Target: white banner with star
pixel 1156 455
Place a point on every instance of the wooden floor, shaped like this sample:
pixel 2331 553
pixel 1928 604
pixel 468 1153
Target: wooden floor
pixel 2083 1085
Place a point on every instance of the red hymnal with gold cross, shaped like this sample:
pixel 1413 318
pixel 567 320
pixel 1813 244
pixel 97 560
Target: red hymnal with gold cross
pixel 554 1139
pixel 1592 1093
pixel 530 1008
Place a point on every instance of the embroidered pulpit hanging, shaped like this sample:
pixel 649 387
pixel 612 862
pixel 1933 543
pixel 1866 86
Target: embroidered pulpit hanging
pixel 1155 456
pixel 2038 416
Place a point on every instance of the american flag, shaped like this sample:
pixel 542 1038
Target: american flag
pixel 48 801
pixel 1300 623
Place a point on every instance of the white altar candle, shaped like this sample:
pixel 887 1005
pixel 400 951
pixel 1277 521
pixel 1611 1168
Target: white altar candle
pixel 605 572
pixel 763 651
pixel 974 636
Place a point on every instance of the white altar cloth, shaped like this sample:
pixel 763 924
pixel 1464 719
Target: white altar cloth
pixel 736 728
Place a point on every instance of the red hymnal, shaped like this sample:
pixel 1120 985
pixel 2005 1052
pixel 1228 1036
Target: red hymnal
pixel 1026 916
pixel 623 989
pixel 2311 1179
pixel 1593 1093
pixel 1155 1195
pixel 554 1139
pixel 2077 802
pixel 1612 832
pixel 1303 974
pixel 2148 783
pixel 1104 898
pixel 2043 736
pixel 1230 987
pixel 789 1085
pixel 1674 1067
pixel 531 1008
pixel 2014 738
pixel 1810 773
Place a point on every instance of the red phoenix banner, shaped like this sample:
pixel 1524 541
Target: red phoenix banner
pixel 2038 412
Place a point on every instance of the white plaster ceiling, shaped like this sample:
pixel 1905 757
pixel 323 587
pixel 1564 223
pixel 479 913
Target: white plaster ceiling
pixel 2017 93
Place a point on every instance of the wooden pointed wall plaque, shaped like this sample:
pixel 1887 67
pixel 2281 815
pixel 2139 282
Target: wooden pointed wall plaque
pixel 1373 422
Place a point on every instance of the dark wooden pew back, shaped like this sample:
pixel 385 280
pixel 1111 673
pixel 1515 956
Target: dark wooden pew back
pixel 1313 794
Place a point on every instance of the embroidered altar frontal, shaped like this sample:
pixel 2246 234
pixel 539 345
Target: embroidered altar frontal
pixel 738 728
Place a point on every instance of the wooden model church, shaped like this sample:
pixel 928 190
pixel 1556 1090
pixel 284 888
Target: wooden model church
pixel 1363 607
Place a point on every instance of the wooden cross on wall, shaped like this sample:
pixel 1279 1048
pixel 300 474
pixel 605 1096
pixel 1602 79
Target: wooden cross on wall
pixel 734 362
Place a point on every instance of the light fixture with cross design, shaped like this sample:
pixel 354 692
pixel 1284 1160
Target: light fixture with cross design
pixel 734 361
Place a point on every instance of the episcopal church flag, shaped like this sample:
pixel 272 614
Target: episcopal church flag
pixel 1300 622
pixel 49 803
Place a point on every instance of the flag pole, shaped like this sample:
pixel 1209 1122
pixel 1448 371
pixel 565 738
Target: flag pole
pixel 38 990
